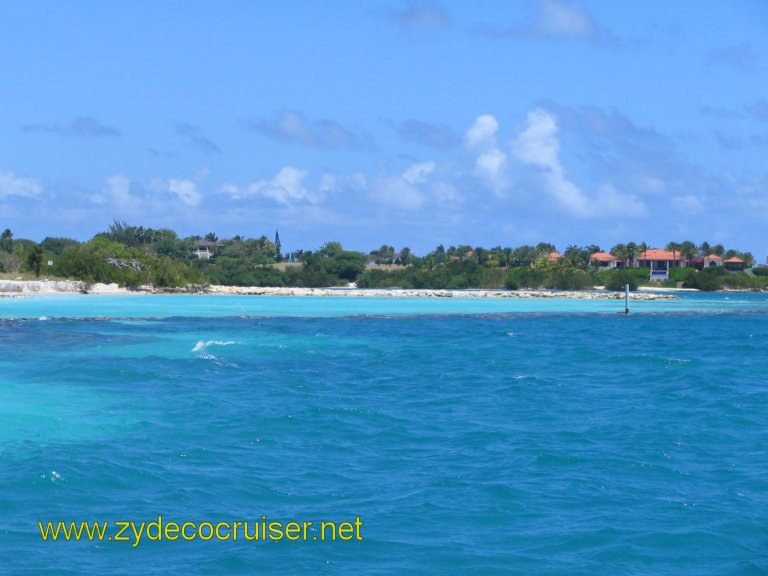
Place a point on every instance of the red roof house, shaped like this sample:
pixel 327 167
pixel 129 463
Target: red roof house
pixel 735 264
pixel 603 260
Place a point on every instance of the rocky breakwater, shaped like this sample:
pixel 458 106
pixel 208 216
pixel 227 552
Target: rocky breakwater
pixel 21 287
pixel 408 293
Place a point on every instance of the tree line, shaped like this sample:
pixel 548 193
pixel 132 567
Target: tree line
pixel 135 256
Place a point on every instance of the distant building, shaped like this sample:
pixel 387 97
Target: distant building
pixel 705 261
pixel 603 260
pixel 660 262
pixel 204 249
pixel 735 264
pixel 554 257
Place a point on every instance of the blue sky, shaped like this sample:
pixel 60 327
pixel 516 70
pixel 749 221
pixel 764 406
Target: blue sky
pixel 406 123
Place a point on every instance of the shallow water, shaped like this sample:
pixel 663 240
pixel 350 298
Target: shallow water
pixel 206 306
pixel 477 436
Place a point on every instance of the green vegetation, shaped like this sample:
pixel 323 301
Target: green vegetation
pixel 618 279
pixel 134 256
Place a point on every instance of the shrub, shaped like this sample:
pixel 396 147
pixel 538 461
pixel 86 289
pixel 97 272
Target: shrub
pixel 745 281
pixel 620 278
pixel 679 274
pixel 569 279
pixel 511 283
pixel 707 280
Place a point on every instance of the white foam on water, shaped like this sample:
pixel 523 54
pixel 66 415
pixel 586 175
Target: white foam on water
pixel 217 360
pixel 203 344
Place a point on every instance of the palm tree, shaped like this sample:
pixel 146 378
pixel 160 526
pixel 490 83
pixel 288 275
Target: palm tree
pixel 525 255
pixel 578 257
pixel 481 254
pixel 463 251
pixel 631 253
pixel 675 248
pixel 748 258
pixel 688 250
pixel 440 254
pixel 35 260
pixel 6 240
pixel 621 252
pixel 508 255
pixel 545 248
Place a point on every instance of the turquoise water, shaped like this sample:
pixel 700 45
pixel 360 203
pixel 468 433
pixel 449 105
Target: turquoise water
pixel 469 436
pixel 203 306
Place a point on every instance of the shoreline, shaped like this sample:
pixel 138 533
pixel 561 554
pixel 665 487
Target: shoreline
pixel 22 288
pixel 431 293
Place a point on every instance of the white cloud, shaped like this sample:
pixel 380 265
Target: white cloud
pixel 397 192
pixel 482 133
pixel 539 146
pixel 287 187
pixel 411 189
pixel 491 162
pixel 418 173
pixel 12 185
pixel 117 189
pixel 116 193
pixel 183 189
pixel 552 20
pixel 568 195
pixel 491 166
pixel 330 183
pixel 186 191
pixel 445 193
pixel 562 19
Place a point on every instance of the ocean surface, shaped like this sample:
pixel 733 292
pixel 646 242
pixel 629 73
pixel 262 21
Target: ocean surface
pixel 468 436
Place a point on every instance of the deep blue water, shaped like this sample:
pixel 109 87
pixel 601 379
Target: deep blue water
pixel 553 437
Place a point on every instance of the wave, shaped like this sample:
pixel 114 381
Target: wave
pixel 203 344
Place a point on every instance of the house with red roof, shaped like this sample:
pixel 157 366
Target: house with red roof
pixel 659 262
pixel 735 264
pixel 603 260
pixel 706 261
